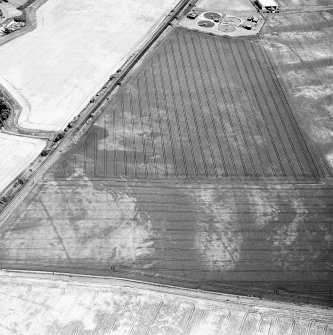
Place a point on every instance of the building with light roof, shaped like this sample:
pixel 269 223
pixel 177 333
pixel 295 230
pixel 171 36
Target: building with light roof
pixel 268 5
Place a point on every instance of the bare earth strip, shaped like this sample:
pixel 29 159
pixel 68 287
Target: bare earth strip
pixel 16 153
pixel 45 304
pixel 87 41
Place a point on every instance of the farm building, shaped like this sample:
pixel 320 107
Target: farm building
pixel 268 5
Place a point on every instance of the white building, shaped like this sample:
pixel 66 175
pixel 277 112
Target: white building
pixel 268 5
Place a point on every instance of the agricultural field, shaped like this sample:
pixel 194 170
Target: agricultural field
pixel 300 46
pixel 56 82
pixel 226 5
pixel 38 304
pixel 290 4
pixel 227 237
pixel 201 107
pixel 16 154
pixel 196 174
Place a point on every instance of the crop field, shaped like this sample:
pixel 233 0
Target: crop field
pixel 196 174
pixel 53 84
pixel 254 237
pixel 61 305
pixel 235 5
pixel 301 48
pixel 16 153
pixel 200 107
pixel 290 4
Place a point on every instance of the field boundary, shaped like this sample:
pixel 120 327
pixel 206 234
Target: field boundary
pixel 107 281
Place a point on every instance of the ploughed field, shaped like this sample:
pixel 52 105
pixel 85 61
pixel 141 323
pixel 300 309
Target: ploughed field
pixel 196 174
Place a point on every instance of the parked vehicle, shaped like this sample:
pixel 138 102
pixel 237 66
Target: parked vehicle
pixel 192 15
pixel 247 26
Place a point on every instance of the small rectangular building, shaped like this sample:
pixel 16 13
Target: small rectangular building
pixel 268 5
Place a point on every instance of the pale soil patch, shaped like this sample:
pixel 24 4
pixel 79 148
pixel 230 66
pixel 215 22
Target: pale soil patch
pixel 265 206
pixel 86 42
pixel 218 241
pixel 16 153
pixel 329 158
pixel 112 229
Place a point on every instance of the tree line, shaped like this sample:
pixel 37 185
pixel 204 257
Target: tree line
pixel 4 111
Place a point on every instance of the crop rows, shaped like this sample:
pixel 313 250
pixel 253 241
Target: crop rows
pixel 194 234
pixel 200 107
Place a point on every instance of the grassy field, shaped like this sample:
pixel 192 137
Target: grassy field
pixel 300 46
pixel 196 174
